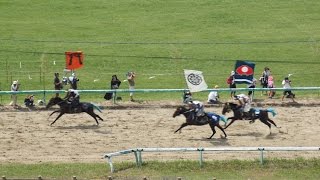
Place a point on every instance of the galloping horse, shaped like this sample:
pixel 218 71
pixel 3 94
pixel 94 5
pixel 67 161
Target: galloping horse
pixel 198 122
pixel 261 114
pixel 65 108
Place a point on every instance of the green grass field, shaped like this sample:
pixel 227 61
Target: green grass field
pixel 232 169
pixel 157 38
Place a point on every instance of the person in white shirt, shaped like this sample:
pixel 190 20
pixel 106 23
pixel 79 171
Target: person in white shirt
pixel 14 87
pixel 252 85
pixel 213 97
pixel 197 107
pixel 287 86
pixel 245 104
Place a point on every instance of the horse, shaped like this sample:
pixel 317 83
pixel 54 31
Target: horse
pixel 203 120
pixel 65 109
pixel 261 114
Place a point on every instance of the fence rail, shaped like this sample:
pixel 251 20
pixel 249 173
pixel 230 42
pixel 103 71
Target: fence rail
pixel 138 152
pixel 158 90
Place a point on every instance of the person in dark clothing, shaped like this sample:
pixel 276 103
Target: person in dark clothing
pixel 29 100
pixel 232 83
pixel 57 83
pixel 115 84
pixel 73 80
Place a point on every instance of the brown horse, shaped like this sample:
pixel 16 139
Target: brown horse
pixel 65 108
pixel 197 122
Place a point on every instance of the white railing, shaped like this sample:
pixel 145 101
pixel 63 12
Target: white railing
pixel 138 152
pixel 157 90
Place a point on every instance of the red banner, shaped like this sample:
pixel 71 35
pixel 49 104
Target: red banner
pixel 74 60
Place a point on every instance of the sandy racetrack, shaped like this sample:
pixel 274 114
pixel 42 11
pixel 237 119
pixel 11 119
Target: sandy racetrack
pixel 26 137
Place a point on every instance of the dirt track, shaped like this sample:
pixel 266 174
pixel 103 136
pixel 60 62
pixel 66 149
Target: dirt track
pixel 27 137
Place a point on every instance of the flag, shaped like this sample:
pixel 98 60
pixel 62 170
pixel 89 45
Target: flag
pixel 74 60
pixel 195 80
pixel 244 71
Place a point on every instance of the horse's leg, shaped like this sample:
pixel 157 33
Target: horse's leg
pixel 221 128
pixel 92 114
pixel 213 131
pixel 54 112
pixel 61 113
pixel 99 117
pixel 272 122
pixel 233 119
pixel 266 123
pixel 182 126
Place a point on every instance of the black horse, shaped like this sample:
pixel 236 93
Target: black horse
pixel 261 114
pixel 197 122
pixel 65 108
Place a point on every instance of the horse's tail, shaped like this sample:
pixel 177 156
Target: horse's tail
pixel 224 119
pixel 271 110
pixel 96 107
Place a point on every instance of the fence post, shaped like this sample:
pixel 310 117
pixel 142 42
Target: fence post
pixel 261 155
pixel 201 156
pixel 136 156
pixel 140 156
pixel 110 164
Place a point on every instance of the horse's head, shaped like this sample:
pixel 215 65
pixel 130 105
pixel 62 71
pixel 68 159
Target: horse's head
pixel 179 110
pixel 53 101
pixel 226 108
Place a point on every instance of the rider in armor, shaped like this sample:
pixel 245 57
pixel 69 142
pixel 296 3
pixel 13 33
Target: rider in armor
pixel 244 105
pixel 198 109
pixel 73 98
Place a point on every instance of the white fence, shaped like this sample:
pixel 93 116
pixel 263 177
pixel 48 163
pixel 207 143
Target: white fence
pixel 138 152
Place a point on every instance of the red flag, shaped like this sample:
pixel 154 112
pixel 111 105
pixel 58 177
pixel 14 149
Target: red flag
pixel 74 60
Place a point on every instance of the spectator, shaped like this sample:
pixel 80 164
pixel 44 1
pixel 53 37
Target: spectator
pixel 252 85
pixel 271 85
pixel 131 80
pixel 264 78
pixel 213 97
pixel 287 86
pixel 73 80
pixel 187 96
pixel 115 84
pixel 232 83
pixel 57 83
pixel 14 88
pixel 29 100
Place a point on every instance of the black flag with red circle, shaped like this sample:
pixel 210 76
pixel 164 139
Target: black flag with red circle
pixel 244 71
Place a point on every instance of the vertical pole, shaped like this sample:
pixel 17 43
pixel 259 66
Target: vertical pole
pixel 140 157
pixel 137 158
pixel 261 156
pixel 201 157
pixel 110 164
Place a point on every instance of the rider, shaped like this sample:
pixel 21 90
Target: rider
pixel 73 98
pixel 244 104
pixel 198 109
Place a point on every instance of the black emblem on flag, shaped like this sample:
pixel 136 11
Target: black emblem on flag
pixel 194 79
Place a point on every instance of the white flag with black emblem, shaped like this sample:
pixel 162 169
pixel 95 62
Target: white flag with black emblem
pixel 195 80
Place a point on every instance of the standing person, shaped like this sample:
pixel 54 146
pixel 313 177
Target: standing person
pixel 131 80
pixel 264 78
pixel 73 80
pixel 287 86
pixel 187 96
pixel 14 88
pixel 271 85
pixel 232 83
pixel 252 85
pixel 57 83
pixel 115 84
pixel 213 97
